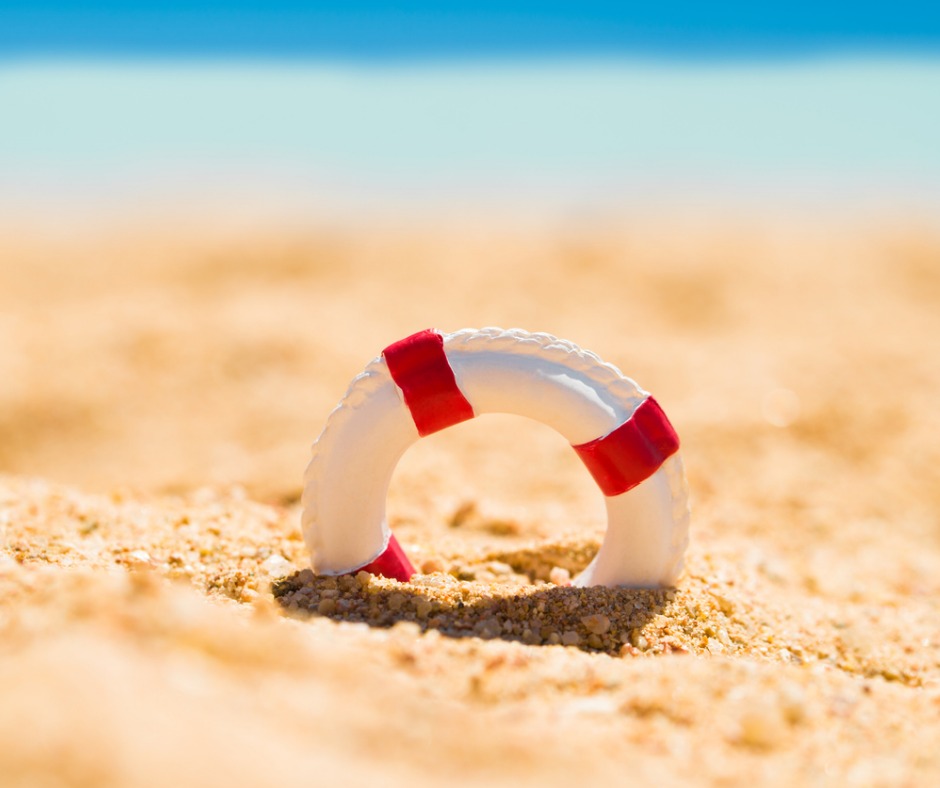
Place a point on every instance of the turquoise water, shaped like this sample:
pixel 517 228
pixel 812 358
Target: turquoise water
pixel 565 130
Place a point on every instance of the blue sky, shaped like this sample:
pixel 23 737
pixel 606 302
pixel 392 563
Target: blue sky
pixel 359 29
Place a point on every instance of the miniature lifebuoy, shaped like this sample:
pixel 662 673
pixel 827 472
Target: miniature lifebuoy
pixel 430 381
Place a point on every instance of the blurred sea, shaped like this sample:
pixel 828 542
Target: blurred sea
pixel 569 135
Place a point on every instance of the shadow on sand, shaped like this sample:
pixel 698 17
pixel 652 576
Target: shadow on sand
pixel 596 619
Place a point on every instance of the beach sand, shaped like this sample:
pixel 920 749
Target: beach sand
pixel 159 624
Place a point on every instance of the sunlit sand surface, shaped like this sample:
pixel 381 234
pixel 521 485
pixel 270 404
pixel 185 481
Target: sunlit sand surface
pixel 158 621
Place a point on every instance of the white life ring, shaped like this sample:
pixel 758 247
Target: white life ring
pixel 430 380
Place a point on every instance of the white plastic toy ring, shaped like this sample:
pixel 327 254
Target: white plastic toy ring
pixel 430 381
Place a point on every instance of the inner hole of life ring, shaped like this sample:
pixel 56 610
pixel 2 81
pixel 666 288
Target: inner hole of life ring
pixel 494 481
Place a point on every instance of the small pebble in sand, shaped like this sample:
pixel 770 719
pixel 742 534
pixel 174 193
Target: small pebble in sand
pixel 571 638
pixel 431 565
pixel 560 576
pixel 597 624
pixel 423 607
pixel 138 559
pixel 276 566
pixel 714 646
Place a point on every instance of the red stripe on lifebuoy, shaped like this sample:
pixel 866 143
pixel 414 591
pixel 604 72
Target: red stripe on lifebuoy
pixel 392 563
pixel 631 453
pixel 420 369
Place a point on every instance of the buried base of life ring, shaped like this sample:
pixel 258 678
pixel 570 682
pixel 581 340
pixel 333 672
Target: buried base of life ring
pixel 430 381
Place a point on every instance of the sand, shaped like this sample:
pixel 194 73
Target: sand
pixel 159 624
